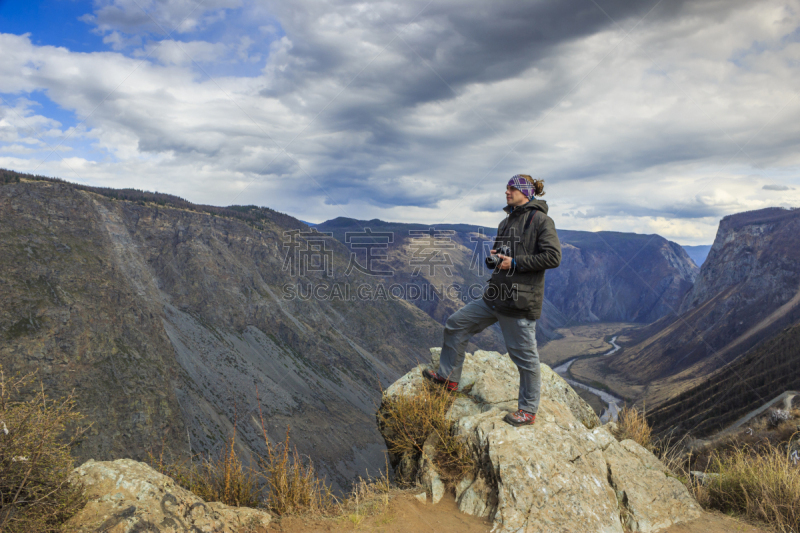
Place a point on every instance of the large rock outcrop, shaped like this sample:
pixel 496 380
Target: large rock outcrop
pixel 564 473
pixel 126 496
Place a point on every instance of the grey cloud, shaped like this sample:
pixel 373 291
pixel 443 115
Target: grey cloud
pixel 777 188
pixel 479 44
pixel 463 44
pixel 388 131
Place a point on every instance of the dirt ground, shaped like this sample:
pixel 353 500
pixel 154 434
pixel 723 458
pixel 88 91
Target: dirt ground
pixel 405 514
pixel 714 523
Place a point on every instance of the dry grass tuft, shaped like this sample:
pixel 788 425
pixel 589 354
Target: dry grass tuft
pixel 226 480
pixel 763 486
pixel 753 473
pixel 35 461
pixel 215 479
pixel 632 424
pixel 673 453
pixel 290 482
pixel 410 420
pixel 293 486
pixel 759 436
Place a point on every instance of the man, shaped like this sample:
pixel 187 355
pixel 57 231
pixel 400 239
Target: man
pixel 513 296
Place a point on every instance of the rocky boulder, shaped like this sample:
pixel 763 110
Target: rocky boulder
pixel 127 496
pixel 564 473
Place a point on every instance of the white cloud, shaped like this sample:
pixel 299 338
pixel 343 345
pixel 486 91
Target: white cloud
pixel 378 110
pixel 17 149
pixel 19 122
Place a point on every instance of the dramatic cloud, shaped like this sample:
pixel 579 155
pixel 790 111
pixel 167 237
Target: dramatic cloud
pixel 640 116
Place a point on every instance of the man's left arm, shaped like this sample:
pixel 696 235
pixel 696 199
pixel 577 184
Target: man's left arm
pixel 549 255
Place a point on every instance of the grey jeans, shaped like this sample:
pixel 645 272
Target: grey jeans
pixel 520 337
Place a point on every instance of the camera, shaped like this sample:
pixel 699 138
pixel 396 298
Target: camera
pixel 493 261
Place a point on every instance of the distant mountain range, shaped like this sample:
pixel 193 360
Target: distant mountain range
pixel 746 304
pixel 619 277
pixel 172 321
pixel 747 293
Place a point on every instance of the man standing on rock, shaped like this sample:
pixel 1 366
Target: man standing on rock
pixel 513 296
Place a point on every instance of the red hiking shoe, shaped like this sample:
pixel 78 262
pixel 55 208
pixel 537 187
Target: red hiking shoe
pixel 452 386
pixel 520 418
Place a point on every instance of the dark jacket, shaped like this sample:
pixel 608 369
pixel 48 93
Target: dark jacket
pixel 519 291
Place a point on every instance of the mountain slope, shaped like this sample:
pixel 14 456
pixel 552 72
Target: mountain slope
pixel 747 291
pixel 619 277
pixel 756 377
pixel 169 320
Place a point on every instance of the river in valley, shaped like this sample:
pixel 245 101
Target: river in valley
pixel 612 401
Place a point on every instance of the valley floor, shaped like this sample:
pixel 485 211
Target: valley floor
pixel 584 341
pixel 581 340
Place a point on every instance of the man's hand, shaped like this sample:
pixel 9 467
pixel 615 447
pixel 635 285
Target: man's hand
pixel 506 264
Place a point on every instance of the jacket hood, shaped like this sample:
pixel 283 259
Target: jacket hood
pixel 533 203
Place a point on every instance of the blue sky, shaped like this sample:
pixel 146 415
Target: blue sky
pixel 654 117
pixel 54 23
pixel 51 22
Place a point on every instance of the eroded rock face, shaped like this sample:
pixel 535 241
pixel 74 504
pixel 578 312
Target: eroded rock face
pixel 127 496
pixel 564 473
pixel 168 319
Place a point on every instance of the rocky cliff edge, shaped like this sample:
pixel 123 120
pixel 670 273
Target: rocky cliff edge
pixel 564 473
